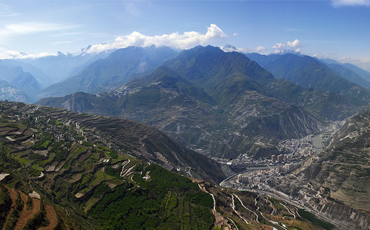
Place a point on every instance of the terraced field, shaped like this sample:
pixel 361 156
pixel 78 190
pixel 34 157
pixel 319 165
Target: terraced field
pixel 27 213
pixel 51 215
pixel 90 172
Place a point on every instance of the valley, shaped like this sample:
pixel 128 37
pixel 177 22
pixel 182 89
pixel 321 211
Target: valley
pixel 329 192
pixel 48 154
pixel 262 132
pixel 294 152
pixel 202 139
pixel 185 115
pixel 224 107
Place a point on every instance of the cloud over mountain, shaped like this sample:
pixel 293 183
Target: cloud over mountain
pixel 12 54
pixel 174 40
pixel 293 46
pixel 230 48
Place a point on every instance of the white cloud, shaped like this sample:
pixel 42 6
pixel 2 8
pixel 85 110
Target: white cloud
pixel 26 28
pixel 260 49
pixel 235 34
pixel 279 46
pixel 35 27
pixel 11 54
pixel 175 40
pixel 229 48
pixel 339 3
pixel 294 46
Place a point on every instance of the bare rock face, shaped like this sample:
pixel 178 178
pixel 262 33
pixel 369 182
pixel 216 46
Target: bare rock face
pixel 220 104
pixel 336 183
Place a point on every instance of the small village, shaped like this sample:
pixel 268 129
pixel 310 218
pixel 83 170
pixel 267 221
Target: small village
pixel 293 152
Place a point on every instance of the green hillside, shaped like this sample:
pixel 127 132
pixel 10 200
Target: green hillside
pixel 79 173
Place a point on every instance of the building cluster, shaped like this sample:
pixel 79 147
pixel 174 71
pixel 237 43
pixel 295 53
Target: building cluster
pixel 302 146
pixel 255 177
pixel 244 179
pixel 279 158
pixel 258 176
pixel 293 151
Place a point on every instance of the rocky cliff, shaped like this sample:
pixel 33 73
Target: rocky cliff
pixel 336 183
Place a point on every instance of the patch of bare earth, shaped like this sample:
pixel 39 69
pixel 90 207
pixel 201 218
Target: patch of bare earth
pixel 52 217
pixel 26 214
pixel 13 196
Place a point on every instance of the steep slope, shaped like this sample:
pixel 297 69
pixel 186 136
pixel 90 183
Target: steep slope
pixel 39 75
pixel 308 72
pixel 218 103
pixel 111 72
pixel 336 183
pixel 361 72
pixel 20 79
pixel 143 141
pixel 261 59
pixel 207 99
pixel 226 76
pixel 162 99
pixel 350 75
pixel 326 106
pixel 61 66
pixel 208 66
pixel 10 93
pixel 79 173
pixel 82 103
pixel 27 83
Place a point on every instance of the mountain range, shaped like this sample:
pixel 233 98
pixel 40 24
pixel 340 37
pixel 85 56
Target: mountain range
pixel 117 69
pixel 63 170
pixel 133 148
pixel 309 73
pixel 220 103
pixel 336 182
pixel 21 80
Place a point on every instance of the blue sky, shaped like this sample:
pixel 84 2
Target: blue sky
pixel 338 29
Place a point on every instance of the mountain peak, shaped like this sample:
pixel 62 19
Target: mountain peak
pixel 229 48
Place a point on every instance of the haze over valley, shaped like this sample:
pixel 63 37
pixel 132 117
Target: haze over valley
pixel 185 115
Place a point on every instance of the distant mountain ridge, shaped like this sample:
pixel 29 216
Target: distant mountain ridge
pixel 10 93
pixel 363 73
pixel 39 75
pixel 221 103
pixel 360 72
pixel 309 73
pixel 61 66
pixel 111 72
pixel 350 75
pixel 196 95
pixel 21 80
